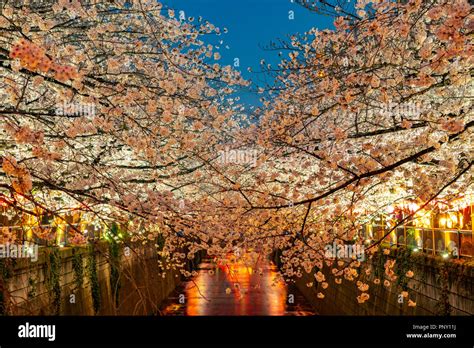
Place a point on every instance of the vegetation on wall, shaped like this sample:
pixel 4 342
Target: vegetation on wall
pixel 402 266
pixel 52 269
pixel 160 242
pixel 32 285
pixel 379 263
pixel 114 260
pixel 443 306
pixel 94 279
pixel 6 271
pixel 78 268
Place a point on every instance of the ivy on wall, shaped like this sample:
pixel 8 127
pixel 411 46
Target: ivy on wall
pixel 52 269
pixel 32 285
pixel 403 264
pixel 6 268
pixel 448 271
pixel 6 272
pixel 160 242
pixel 78 268
pixel 93 279
pixel 114 260
pixel 379 263
pixel 443 306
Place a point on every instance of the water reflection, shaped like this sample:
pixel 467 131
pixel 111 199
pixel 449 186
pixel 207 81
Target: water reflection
pixel 246 286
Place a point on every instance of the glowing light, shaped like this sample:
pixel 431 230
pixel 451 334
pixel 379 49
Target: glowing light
pixel 454 218
pixel 417 236
pixel 245 282
pixel 369 231
pixel 393 236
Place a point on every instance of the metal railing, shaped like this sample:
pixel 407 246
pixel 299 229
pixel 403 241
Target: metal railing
pixel 436 241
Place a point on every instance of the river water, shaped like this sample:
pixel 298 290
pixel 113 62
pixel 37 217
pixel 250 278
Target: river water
pixel 236 287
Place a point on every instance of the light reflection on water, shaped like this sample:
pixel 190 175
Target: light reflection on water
pixel 237 287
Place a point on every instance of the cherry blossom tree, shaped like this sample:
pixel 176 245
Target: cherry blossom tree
pixel 108 109
pixel 376 112
pixel 122 113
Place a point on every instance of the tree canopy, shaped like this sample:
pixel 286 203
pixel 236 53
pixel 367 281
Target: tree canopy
pixel 123 113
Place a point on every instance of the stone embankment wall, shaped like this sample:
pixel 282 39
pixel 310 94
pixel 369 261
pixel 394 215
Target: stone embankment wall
pixel 98 280
pixel 438 286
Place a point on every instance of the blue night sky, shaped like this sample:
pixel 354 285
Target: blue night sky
pixel 252 25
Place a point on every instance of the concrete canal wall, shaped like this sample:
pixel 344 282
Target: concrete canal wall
pixel 82 281
pixel 438 287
